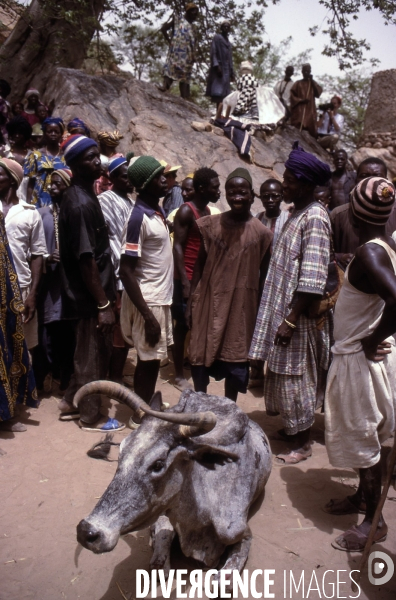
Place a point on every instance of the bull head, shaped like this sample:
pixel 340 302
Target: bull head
pixel 149 473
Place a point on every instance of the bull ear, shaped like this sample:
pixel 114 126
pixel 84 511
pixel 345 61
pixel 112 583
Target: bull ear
pixel 210 452
pixel 156 402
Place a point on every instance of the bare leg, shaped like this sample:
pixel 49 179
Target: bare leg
pixel 146 374
pixel 179 337
pixel 117 364
pixel 184 90
pixel 355 538
pixel 162 534
pixel 300 448
pixel 230 391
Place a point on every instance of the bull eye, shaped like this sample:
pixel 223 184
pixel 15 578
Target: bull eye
pixel 157 466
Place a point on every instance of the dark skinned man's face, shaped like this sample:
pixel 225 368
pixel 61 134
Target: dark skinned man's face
pixel 158 186
pixel 239 195
pixel 212 191
pixel 271 195
pixel 187 189
pixel 289 72
pixel 89 163
pixel 340 160
pixel 370 170
pixel 5 182
pixel 306 71
pixel 120 180
pixel 58 186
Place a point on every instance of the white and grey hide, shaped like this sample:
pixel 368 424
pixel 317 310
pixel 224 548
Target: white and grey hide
pixel 203 483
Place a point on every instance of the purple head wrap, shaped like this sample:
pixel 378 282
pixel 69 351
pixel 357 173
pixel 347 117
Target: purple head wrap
pixel 307 167
pixel 78 124
pixel 53 121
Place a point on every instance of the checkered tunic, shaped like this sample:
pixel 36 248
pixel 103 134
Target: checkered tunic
pixel 299 263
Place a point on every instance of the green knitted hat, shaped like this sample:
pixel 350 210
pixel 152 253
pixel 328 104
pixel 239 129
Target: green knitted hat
pixel 142 170
pixel 242 173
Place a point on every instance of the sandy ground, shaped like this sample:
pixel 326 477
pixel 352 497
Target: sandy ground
pixel 48 484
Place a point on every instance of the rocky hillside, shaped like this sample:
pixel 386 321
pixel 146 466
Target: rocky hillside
pixel 160 125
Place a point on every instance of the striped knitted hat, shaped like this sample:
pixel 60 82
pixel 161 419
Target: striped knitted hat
pixel 74 145
pixel 142 170
pixel 372 200
pixel 64 174
pixel 13 169
pixel 116 162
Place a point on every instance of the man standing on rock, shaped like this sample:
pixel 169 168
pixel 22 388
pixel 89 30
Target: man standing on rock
pixel 146 271
pixel 187 241
pixel 88 281
pixel 181 55
pixel 221 71
pixel 283 88
pixel 342 181
pixel 302 102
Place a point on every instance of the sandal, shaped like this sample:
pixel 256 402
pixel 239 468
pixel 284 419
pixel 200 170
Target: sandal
pixel 355 541
pixel 294 457
pixel 109 425
pixel 344 507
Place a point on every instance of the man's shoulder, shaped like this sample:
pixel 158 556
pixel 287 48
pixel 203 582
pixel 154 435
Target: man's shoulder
pixel 339 212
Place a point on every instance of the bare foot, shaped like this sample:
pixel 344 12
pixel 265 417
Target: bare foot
pixel 182 384
pixel 12 425
pixel 354 540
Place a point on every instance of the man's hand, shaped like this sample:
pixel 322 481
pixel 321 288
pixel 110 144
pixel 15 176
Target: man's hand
pixel 375 352
pixel 186 289
pixel 30 308
pixel 54 257
pixel 152 330
pixel 106 319
pixel 283 335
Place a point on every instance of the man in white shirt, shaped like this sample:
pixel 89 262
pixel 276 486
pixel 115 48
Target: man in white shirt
pixel 146 271
pixel 330 125
pixel 26 237
pixel 116 207
pixel 282 89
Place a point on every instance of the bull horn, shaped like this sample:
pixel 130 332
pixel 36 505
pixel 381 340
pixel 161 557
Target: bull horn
pixel 202 420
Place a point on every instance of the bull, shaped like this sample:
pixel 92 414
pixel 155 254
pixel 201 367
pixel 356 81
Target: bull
pixel 194 469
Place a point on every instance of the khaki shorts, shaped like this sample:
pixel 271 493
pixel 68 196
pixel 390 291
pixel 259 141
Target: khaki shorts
pixel 30 330
pixel 132 328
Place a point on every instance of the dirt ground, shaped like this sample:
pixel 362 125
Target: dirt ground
pixel 48 484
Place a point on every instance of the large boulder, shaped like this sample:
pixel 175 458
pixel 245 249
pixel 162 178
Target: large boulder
pixel 160 124
pixel 381 110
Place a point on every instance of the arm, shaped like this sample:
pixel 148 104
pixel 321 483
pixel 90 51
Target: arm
pixel 321 119
pixel 372 273
pixel 36 267
pixel 295 99
pixel 165 28
pixel 152 328
pixel 317 89
pixel 302 302
pixel 184 220
pixel 90 274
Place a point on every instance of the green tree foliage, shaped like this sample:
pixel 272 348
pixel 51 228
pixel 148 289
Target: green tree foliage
pixel 354 88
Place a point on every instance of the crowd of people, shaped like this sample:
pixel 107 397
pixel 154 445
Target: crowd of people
pixel 102 251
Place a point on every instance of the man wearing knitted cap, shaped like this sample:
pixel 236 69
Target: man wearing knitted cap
pixel 361 385
pixel 286 336
pixel 88 281
pixel 27 242
pixel 225 289
pixel 146 271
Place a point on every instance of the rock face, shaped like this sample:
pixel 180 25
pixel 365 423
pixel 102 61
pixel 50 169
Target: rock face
pixel 160 124
pixel 381 111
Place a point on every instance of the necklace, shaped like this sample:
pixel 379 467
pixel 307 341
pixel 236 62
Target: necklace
pixel 56 229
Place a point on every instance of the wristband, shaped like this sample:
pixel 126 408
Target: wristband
pixel 104 306
pixel 292 325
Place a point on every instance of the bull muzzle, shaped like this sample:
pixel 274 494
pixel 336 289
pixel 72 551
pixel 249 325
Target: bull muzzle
pixel 96 539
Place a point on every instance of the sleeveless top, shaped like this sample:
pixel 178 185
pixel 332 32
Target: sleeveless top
pixel 356 313
pixel 193 243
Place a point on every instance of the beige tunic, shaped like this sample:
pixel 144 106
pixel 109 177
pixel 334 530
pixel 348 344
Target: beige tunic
pixel 224 305
pixel 360 394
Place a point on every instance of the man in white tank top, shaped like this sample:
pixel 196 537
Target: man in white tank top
pixel 361 385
